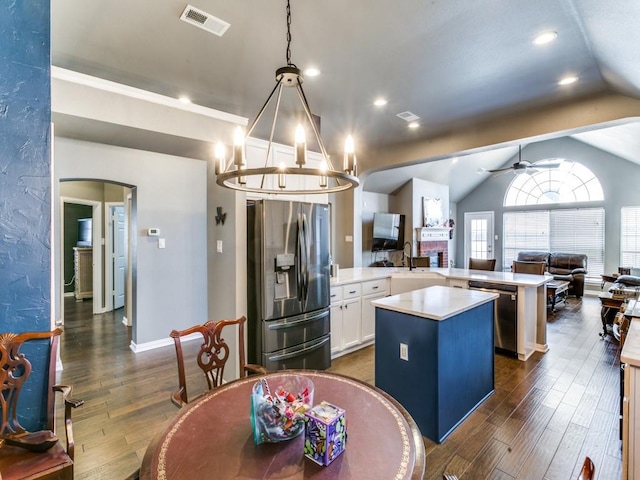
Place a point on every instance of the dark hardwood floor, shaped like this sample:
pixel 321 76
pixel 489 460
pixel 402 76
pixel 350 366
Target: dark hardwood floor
pixel 545 416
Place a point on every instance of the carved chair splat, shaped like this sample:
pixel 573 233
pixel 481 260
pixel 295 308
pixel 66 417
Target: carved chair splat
pixel 212 356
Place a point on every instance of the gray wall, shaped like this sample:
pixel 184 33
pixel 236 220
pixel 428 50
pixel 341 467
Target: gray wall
pixel 617 176
pixel 171 195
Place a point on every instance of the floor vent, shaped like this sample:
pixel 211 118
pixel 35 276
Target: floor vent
pixel 204 20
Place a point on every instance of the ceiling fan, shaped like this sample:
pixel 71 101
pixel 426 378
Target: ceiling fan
pixel 522 166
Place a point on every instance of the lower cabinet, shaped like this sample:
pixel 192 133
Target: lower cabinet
pixel 353 316
pixel 369 316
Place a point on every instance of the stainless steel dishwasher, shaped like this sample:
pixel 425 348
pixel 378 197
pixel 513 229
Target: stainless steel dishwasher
pixel 505 321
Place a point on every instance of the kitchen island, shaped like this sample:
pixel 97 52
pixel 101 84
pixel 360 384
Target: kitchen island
pixel 531 295
pixel 434 354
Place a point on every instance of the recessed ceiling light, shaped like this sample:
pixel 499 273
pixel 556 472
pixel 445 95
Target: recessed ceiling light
pixel 312 72
pixel 545 37
pixel 185 100
pixel 567 80
pixel 380 102
pixel 414 125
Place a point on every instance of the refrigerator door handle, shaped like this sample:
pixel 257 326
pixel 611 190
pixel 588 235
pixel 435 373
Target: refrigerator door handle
pixel 307 254
pixel 299 270
pixel 305 319
pixel 308 347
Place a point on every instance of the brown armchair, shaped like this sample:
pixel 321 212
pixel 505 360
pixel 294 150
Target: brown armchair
pixel 38 454
pixel 212 356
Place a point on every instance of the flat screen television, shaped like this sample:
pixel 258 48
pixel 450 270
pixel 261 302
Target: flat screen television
pixel 85 232
pixel 388 232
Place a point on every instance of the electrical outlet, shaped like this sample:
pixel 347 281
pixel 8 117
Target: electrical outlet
pixel 404 352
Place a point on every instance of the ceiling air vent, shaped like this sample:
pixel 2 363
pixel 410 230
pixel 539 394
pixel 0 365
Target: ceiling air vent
pixel 204 20
pixel 408 116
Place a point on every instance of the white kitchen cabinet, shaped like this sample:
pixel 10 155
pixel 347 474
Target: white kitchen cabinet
pixel 352 315
pixel 371 291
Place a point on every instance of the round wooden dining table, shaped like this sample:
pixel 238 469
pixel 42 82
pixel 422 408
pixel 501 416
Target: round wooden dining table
pixel 213 437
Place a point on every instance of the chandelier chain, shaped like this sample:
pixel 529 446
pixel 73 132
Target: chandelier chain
pixel 289 35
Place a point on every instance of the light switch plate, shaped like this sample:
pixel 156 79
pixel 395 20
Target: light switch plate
pixel 404 352
pixel 161 243
pixel 219 246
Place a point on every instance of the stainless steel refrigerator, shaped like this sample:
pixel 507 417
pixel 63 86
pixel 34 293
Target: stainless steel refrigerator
pixel 288 284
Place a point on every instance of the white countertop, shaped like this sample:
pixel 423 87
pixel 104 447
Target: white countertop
pixel 359 274
pixel 435 303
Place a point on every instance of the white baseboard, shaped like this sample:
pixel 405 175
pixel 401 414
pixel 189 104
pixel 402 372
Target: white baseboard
pixel 126 322
pixel 69 294
pixel 163 342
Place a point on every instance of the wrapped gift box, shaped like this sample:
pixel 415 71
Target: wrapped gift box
pixel 325 429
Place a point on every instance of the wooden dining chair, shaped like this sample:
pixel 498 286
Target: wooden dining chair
pixel 535 268
pixel 482 264
pixel 24 454
pixel 212 356
pixel 588 470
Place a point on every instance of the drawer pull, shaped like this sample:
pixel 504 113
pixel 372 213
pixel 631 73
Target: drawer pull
pixel 334 295
pixel 353 291
pixel 375 288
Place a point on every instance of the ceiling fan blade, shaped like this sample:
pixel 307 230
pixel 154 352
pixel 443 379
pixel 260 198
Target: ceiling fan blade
pixel 496 170
pixel 545 165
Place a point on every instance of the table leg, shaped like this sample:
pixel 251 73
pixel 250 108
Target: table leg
pixel 603 317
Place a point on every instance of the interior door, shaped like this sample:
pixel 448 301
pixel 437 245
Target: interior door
pixel 119 257
pixel 478 236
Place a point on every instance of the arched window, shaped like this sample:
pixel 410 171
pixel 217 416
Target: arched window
pixel 569 183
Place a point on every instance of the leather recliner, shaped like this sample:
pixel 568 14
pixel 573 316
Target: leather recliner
pixel 571 267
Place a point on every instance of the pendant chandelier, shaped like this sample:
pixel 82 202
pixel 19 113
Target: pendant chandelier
pixel 234 172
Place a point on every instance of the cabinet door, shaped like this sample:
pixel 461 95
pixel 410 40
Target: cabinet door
pixel 336 328
pixel 351 320
pixel 369 316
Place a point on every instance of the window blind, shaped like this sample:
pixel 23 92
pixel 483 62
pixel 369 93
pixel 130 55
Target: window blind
pixel 566 230
pixel 630 237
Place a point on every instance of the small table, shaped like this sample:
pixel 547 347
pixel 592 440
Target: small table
pixel 213 437
pixel 557 291
pixel 610 306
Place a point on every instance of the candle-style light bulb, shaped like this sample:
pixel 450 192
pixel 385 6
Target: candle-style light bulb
pixel 238 147
pixel 282 182
pixel 242 179
pixel 301 146
pixel 219 154
pixel 323 174
pixel 349 156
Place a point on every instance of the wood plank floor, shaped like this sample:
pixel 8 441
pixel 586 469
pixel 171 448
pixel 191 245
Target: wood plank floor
pixel 545 416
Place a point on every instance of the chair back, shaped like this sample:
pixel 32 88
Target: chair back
pixel 482 264
pixel 588 470
pixel 212 356
pixel 15 372
pixel 535 268
pixel 37 454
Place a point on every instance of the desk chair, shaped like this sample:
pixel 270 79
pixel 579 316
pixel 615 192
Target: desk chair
pixel 212 356
pixel 34 455
pixel 482 264
pixel 535 268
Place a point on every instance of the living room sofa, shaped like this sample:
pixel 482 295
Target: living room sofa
pixel 571 267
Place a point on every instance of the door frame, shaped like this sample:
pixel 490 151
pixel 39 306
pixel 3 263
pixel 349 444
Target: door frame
pixel 97 251
pixel 108 249
pixel 490 217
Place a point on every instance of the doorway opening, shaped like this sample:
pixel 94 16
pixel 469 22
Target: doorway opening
pixel 98 266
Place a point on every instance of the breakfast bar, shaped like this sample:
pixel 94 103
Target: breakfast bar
pixel 434 354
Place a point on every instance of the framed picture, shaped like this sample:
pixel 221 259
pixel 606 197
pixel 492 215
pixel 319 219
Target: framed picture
pixel 432 212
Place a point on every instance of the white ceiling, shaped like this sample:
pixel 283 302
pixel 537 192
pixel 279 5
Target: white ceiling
pixel 452 63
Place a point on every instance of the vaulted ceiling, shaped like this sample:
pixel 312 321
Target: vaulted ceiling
pixel 452 63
